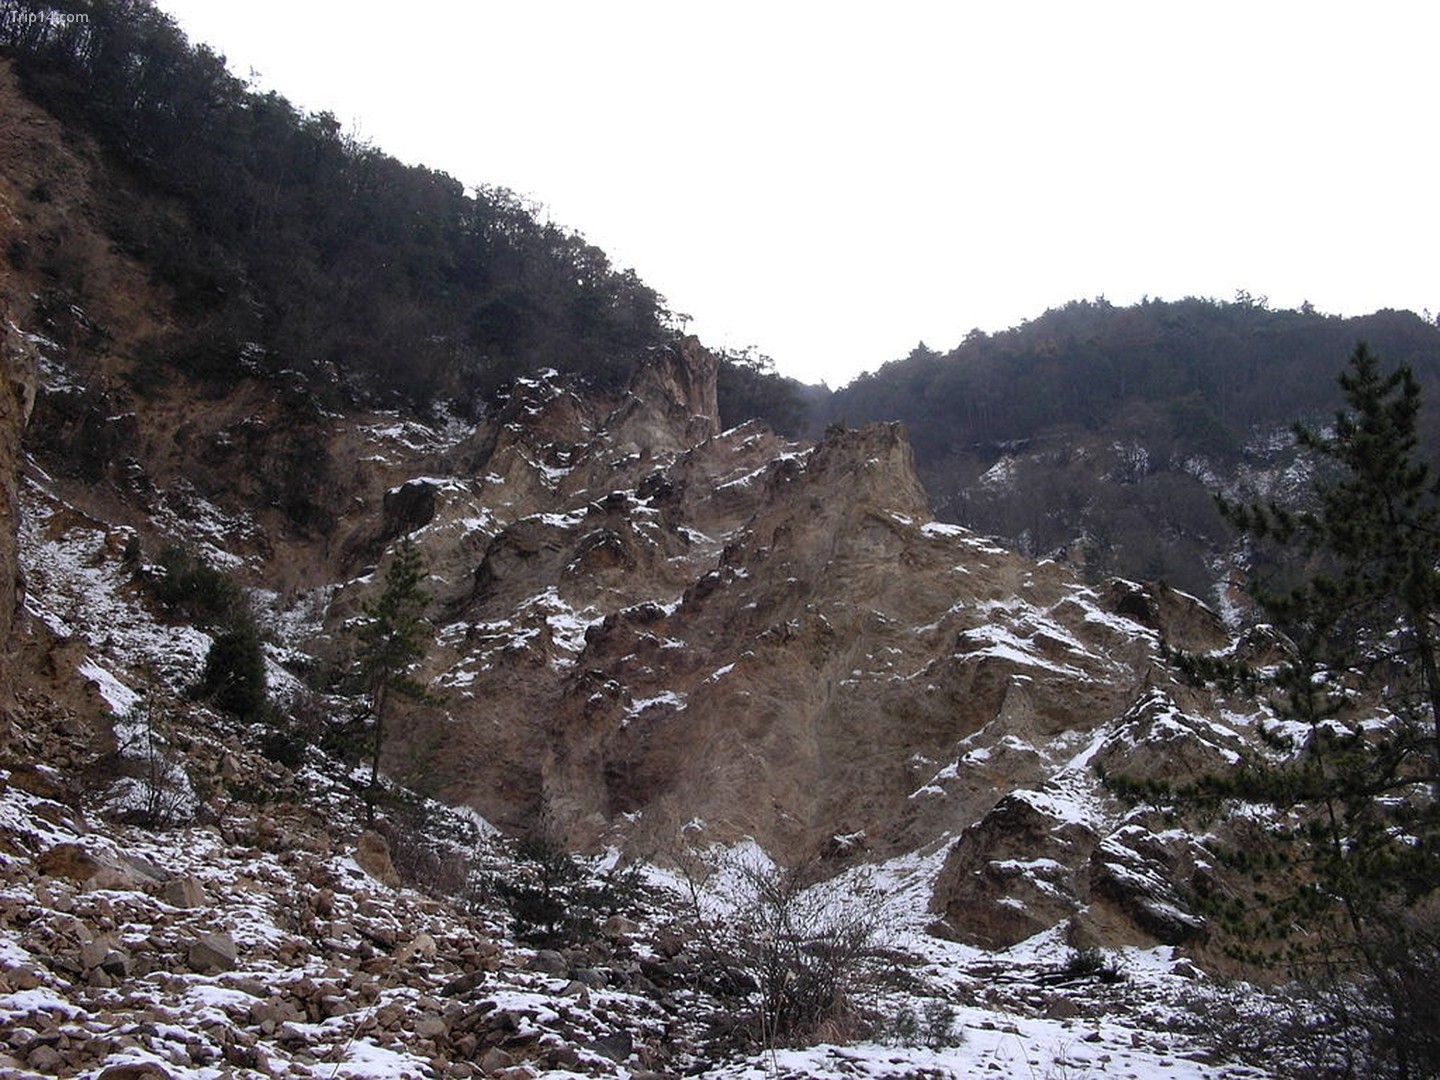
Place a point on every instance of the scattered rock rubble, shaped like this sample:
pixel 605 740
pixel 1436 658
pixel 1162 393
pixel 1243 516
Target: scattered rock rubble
pixel 272 939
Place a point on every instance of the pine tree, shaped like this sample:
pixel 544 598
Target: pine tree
pixel 1359 703
pixel 1375 599
pixel 392 640
pixel 234 675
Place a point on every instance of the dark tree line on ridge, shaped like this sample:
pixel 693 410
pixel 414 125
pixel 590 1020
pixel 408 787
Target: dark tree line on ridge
pixel 274 227
pixel 1206 369
pixel 290 247
pixel 1112 425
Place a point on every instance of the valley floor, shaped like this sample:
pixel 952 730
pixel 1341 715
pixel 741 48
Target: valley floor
pixel 258 946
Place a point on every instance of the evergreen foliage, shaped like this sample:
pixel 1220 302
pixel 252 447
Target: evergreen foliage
pixel 555 900
pixel 234 676
pixel 291 246
pixel 1346 885
pixel 190 588
pixel 392 638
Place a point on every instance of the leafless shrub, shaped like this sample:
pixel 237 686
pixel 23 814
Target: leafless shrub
pixel 439 872
pixel 153 792
pixel 1334 1028
pixel 795 958
pixel 426 848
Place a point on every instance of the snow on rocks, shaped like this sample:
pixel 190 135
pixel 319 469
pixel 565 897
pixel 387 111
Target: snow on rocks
pixel 596 583
pixel 294 960
pixel 257 946
pixel 79 587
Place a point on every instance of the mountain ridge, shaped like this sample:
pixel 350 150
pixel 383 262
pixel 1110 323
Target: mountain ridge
pixel 639 617
pixel 1099 434
pixel 652 637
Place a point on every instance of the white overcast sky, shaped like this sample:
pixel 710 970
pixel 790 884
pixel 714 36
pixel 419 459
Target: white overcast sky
pixel 834 182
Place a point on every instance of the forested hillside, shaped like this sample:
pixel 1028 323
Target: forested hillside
pixel 284 245
pixel 1100 432
pixel 752 766
pixel 289 245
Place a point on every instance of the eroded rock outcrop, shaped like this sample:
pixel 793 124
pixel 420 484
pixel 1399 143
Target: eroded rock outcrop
pixel 649 633
pixel 705 639
pixel 1016 872
pixel 654 635
pixel 17 399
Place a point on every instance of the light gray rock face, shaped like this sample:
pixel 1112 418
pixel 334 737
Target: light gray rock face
pixel 210 953
pixel 17 398
pixel 185 892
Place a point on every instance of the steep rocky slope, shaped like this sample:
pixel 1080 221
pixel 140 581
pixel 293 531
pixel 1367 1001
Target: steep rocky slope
pixel 652 640
pixel 172 900
pixel 17 396
pixel 274 941
pixel 648 633
pixel 174 904
pixel 652 635
pixel 657 644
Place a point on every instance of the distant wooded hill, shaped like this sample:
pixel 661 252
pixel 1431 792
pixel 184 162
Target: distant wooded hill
pixel 1100 432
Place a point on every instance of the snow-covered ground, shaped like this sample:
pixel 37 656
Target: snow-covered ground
pixel 303 918
pixel 325 970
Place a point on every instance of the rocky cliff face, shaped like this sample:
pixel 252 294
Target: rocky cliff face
pixel 655 635
pixel 17 398
pixel 649 634
pixel 17 390
pixel 651 638
pixel 18 376
pixel 658 636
